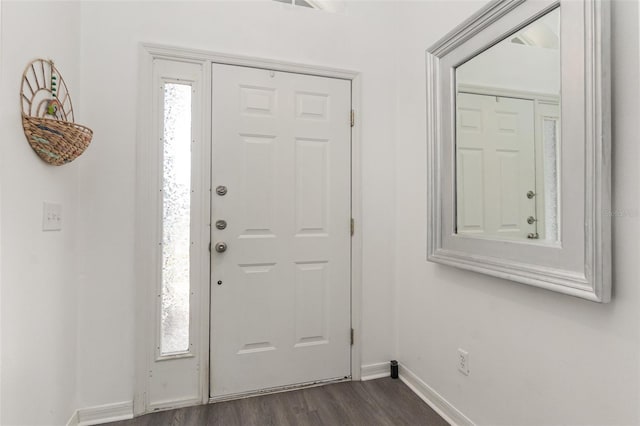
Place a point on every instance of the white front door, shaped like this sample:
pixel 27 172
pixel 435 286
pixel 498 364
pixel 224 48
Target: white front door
pixel 495 166
pixel 280 292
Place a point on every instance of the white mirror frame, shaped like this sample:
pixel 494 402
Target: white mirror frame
pixel 580 264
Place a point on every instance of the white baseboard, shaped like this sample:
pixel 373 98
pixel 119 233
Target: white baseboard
pixel 73 421
pixel 375 371
pixel 124 410
pixel 440 405
pixel 102 414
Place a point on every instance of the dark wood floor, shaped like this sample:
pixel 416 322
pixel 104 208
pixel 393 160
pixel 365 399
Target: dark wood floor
pixel 372 403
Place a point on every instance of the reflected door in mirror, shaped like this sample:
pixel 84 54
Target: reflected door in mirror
pixel 495 166
pixel 507 139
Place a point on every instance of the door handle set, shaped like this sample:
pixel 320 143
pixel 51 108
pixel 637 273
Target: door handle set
pixel 221 246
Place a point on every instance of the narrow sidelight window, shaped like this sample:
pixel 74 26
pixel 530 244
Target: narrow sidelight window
pixel 551 151
pixel 176 223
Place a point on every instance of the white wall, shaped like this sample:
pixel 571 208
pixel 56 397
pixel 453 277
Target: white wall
pixel 536 357
pixel 514 66
pixel 357 40
pixel 39 280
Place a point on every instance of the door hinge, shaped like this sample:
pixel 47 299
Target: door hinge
pixel 353 226
pixel 352 336
pixel 209 246
pixel 353 118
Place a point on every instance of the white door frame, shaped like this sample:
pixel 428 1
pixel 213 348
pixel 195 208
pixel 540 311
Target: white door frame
pixel 144 307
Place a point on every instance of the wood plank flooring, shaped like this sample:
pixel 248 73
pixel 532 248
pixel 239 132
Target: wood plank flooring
pixel 381 402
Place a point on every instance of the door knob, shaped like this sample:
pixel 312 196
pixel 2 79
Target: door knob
pixel 221 247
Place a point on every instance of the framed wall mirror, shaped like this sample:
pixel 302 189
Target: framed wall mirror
pixel 518 106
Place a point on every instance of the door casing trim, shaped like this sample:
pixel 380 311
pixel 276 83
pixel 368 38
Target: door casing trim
pixel 147 54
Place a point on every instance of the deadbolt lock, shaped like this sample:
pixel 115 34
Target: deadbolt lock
pixel 531 194
pixel 531 220
pixel 221 224
pixel 221 190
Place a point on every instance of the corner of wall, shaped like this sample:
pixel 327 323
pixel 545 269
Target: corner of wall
pixel 38 270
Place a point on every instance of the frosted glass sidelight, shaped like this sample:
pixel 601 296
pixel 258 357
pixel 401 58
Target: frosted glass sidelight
pixel 176 214
pixel 551 181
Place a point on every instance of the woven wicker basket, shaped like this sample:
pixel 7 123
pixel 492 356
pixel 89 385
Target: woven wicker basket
pixel 52 134
pixel 56 142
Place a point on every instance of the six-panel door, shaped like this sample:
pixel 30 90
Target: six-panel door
pixel 495 166
pixel 280 292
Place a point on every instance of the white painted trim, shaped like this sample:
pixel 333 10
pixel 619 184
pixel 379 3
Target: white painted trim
pixel 143 238
pixel 356 239
pixel 375 371
pixel 148 170
pixel 551 98
pixel 148 52
pixel 73 421
pixel 173 53
pixel 173 404
pixel 437 402
pixel 205 261
pixel 102 414
pixel 490 13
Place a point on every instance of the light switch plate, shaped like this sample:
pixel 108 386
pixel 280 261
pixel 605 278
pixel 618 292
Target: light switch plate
pixel 51 217
pixel 463 361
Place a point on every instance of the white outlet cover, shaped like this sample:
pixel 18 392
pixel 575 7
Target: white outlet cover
pixel 51 217
pixel 463 361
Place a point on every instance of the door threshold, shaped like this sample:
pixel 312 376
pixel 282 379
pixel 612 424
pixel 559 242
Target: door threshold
pixel 277 389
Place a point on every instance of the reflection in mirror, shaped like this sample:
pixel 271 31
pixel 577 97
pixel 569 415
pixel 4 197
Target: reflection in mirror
pixel 508 137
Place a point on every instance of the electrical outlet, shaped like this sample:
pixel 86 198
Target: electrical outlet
pixel 51 217
pixel 463 361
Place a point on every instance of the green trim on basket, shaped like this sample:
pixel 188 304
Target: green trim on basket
pixel 41 140
pixel 48 153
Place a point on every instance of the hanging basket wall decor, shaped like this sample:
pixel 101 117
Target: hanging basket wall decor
pixel 47 115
